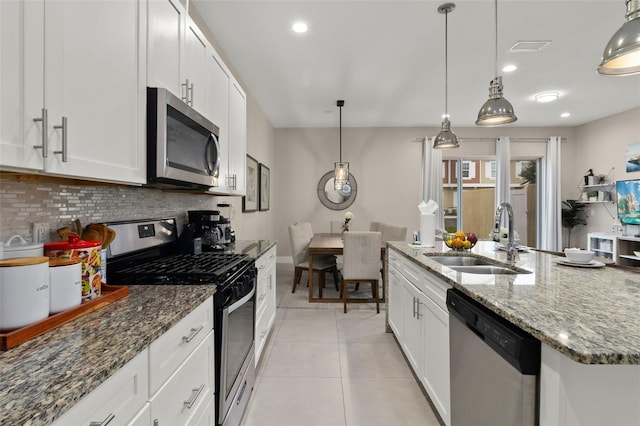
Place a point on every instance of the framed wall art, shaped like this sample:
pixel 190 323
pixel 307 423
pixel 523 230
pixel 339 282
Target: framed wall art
pixel 250 201
pixel 265 187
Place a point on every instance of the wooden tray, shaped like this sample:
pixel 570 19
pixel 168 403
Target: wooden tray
pixel 109 295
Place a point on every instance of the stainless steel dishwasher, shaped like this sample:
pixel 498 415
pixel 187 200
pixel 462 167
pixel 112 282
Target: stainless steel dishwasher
pixel 494 367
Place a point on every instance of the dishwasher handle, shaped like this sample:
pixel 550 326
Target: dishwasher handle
pixel 516 346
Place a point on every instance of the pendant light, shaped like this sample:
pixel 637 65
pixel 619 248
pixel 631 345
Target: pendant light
pixel 622 54
pixel 341 176
pixel 446 138
pixel 497 110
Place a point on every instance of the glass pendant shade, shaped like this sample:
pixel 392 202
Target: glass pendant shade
pixel 621 55
pixel 341 175
pixel 446 139
pixel 497 110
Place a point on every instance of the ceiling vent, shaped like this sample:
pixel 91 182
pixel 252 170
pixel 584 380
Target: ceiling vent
pixel 529 46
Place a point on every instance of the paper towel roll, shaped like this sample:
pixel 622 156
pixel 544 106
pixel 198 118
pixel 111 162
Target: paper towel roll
pixel 428 230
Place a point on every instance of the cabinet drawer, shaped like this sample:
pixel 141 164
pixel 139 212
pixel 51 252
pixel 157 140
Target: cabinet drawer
pixel 435 289
pixel 179 400
pixel 174 346
pixel 122 396
pixel 263 261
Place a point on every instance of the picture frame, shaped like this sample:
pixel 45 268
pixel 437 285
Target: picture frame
pixel 265 187
pixel 250 201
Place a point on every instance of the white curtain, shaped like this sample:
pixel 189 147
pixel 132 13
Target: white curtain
pixel 432 178
pixel 503 172
pixel 550 229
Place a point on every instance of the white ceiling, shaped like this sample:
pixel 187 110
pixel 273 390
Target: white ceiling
pixel 386 59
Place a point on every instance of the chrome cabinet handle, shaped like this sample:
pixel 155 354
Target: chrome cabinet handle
pixel 64 139
pixel 105 422
pixel 190 93
pixel 418 314
pixel 185 98
pixel 45 125
pixel 414 307
pixel 270 283
pixel 194 332
pixel 194 396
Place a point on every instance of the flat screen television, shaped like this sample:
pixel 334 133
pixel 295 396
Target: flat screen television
pixel 628 201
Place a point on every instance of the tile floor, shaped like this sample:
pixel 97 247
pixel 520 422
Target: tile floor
pixel 324 367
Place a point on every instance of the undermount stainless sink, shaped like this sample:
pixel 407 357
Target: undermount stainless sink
pixel 476 265
pixel 485 269
pixel 459 260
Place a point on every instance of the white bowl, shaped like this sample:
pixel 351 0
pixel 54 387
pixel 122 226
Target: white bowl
pixel 577 255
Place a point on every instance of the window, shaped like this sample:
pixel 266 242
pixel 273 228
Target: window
pixel 490 170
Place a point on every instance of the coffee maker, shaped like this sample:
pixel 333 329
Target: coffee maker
pixel 213 229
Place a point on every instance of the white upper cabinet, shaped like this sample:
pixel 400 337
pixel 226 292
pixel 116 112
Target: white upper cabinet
pixel 195 68
pixel 237 139
pixel 217 98
pixel 177 53
pixel 166 20
pixel 21 87
pixel 84 88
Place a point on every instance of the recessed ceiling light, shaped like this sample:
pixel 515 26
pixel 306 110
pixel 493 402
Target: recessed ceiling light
pixel 546 97
pixel 509 68
pixel 565 114
pixel 299 27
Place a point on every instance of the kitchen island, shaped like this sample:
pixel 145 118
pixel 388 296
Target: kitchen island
pixel 586 319
pixel 46 376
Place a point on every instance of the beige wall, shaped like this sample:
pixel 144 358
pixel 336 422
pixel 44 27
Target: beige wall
pixel 386 164
pixel 599 145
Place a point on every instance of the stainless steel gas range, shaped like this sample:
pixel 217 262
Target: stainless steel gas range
pixel 146 252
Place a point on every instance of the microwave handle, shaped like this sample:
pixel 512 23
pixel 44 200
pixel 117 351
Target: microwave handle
pixel 212 168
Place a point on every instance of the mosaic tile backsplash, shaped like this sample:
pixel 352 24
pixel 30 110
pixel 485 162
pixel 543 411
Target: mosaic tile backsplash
pixel 59 204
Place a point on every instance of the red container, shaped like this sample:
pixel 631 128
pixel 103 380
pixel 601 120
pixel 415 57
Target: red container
pixel 88 252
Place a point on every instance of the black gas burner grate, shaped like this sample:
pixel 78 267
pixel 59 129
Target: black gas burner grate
pixel 204 268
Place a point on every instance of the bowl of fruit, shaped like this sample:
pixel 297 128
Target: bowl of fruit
pixel 460 241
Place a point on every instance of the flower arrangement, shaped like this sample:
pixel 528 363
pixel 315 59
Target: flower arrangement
pixel 347 218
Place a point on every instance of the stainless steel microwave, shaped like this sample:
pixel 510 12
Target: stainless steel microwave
pixel 182 146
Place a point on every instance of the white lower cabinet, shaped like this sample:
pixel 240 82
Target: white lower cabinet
pixel 116 401
pixel 265 300
pixel 171 349
pixel 143 418
pixel 189 389
pixel 169 383
pixel 419 318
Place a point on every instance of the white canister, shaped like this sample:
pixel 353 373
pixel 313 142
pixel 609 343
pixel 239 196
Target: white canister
pixel 16 246
pixel 24 291
pixel 65 282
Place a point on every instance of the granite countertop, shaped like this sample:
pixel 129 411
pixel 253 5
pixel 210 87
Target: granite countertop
pixel 45 376
pixel 591 315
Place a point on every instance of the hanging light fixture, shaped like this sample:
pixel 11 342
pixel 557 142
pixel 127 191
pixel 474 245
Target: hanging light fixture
pixel 622 54
pixel 341 176
pixel 497 110
pixel 446 138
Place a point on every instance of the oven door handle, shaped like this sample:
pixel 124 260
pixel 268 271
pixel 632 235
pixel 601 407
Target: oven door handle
pixel 242 301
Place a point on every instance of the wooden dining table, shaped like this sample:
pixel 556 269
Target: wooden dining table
pixel 330 244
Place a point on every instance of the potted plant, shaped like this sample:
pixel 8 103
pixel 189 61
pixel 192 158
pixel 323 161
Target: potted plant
pixel 592 195
pixel 601 179
pixel 573 214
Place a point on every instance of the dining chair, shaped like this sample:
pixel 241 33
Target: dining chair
pixel 361 256
pixel 299 238
pixel 391 233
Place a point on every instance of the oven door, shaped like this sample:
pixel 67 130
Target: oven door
pixel 237 369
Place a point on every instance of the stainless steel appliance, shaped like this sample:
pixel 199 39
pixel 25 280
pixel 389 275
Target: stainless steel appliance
pixel 182 145
pixel 145 253
pixel 214 229
pixel 494 367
